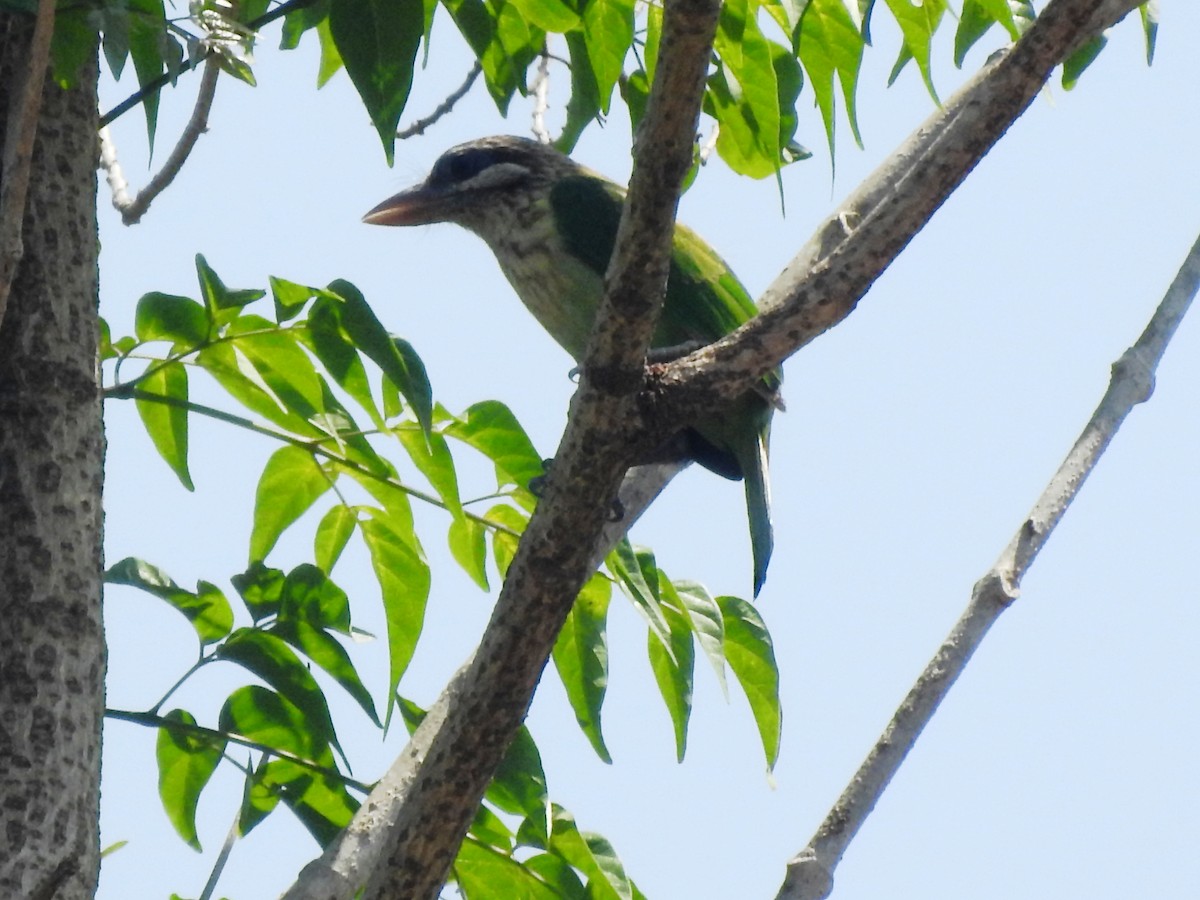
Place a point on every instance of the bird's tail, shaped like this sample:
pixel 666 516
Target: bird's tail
pixel 758 506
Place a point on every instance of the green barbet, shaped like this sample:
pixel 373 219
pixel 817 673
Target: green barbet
pixel 552 224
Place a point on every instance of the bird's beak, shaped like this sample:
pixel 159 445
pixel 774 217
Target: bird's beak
pixel 420 205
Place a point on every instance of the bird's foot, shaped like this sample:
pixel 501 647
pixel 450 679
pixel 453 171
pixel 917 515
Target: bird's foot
pixel 662 355
pixel 537 485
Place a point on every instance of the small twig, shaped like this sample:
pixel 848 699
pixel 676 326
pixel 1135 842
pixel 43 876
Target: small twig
pixel 133 209
pixel 810 873
pixel 231 837
pixel 157 84
pixel 152 720
pixel 419 127
pixel 541 97
pixel 18 150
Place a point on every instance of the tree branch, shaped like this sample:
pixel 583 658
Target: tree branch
pixel 421 125
pixel 132 209
pixel 810 873
pixel 19 133
pixel 824 282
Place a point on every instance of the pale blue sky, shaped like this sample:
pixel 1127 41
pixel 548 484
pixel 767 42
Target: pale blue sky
pixel 918 434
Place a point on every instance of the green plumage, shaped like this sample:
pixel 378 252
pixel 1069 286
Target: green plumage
pixel 552 225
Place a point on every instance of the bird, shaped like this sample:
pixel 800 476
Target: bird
pixel 552 223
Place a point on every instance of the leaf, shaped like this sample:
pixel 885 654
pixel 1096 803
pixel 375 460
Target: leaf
pixel 1150 15
pixel 280 364
pixel 549 15
pixel 323 649
pixel 637 573
pixel 289 298
pixel 332 534
pixel 238 375
pixel 1077 62
pixel 207 609
pixel 830 45
pixel 707 624
pixel 592 855
pixel 378 41
pixel 504 545
pixel 261 588
pixel 482 871
pixel 489 830
pixel 290 483
pixel 394 356
pixel 167 422
pixel 147 47
pixel 166 317
pixel 186 762
pixel 608 33
pixel 674 665
pixel 320 802
pixel 431 455
pixel 918 20
pixel 978 16
pixel 299 20
pixel 751 656
pixel 581 659
pixel 274 662
pixel 468 545
pixel 223 304
pixel 492 429
pixel 309 595
pixel 338 355
pixel 519 783
pixel 745 99
pixel 404 580
pixel 583 107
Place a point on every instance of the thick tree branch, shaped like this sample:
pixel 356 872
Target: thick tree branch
pixel 425 805
pixel 810 873
pixel 17 158
pixel 833 271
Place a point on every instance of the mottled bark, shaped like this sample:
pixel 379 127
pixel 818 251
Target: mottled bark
pixel 51 456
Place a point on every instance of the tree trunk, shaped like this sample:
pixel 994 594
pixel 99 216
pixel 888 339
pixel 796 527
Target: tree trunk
pixel 52 653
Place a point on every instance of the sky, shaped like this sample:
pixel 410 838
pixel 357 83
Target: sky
pixel 918 434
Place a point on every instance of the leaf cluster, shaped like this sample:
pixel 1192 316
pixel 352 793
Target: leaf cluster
pixel 360 438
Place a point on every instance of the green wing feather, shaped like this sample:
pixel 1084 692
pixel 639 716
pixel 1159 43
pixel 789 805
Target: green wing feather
pixel 704 302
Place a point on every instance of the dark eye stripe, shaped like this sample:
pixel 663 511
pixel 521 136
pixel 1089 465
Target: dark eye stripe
pixel 463 165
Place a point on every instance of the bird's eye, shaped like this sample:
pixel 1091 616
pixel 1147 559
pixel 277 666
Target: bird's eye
pixel 461 166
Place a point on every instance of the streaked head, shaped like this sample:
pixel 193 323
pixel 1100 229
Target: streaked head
pixel 471 183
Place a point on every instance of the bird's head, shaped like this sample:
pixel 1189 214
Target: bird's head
pixel 479 185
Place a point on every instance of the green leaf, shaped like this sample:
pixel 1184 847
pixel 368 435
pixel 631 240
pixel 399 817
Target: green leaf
pixel 331 59
pixel 233 369
pixel 403 578
pixel 166 317
pixel 829 45
pixel 323 649
pixel 592 855
pixel 148 47
pixel 751 656
pixel 608 33
pixel 583 107
pixel 262 715
pixel 745 96
pixel 581 659
pixel 337 353
pixel 300 20
pixel 549 15
pixel 186 762
pixel 492 429
pixel 309 595
pixel 207 609
pixel 1149 14
pixel 394 356
pixel 289 298
pixel 280 364
pixel 335 530
pixel 320 802
pixel 431 455
pixel 274 662
pixel 222 303
pixel 290 483
pixel 504 545
pixel 489 830
pixel 1077 62
pixel 468 545
pixel 261 588
pixel 557 872
pixel 167 422
pixel 707 623
pixel 482 871
pixel 918 20
pixel 72 45
pixel 378 41
pixel 978 16
pixel 637 573
pixel 519 784
pixel 674 664
pixel 504 43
